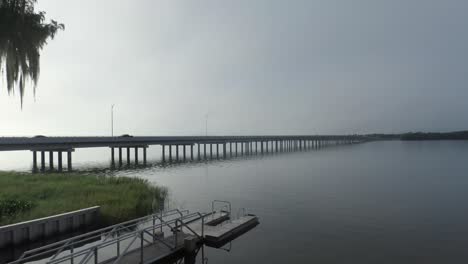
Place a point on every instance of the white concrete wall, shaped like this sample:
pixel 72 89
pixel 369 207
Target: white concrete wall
pixel 46 227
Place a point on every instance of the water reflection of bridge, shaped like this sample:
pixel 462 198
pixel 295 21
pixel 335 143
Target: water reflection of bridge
pixel 179 148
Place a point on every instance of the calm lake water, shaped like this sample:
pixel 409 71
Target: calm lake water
pixel 378 202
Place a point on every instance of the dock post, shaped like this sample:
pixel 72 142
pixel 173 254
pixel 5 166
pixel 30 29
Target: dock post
pixel 69 160
pixel 230 149
pixel 136 155
pixel 34 161
pixel 261 147
pixel 217 150
pixel 266 146
pixel 51 160
pixel 59 160
pixel 177 152
pixel 128 156
pixel 144 155
pixel 204 151
pixel 224 151
pixel 236 148
pixel 120 156
pixel 163 154
pixel 242 148
pixel 184 149
pixel 211 151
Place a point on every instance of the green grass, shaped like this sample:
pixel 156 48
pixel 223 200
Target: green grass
pixel 29 196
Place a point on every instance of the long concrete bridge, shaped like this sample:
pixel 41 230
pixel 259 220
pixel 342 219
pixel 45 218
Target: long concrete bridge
pixel 232 145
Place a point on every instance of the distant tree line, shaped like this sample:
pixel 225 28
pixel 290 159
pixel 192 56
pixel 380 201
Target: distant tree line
pixel 458 135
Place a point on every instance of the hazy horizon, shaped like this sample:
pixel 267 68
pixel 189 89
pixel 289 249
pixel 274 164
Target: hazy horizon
pixel 255 67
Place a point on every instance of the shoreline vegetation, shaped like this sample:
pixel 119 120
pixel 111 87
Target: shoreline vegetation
pixel 26 196
pixel 456 135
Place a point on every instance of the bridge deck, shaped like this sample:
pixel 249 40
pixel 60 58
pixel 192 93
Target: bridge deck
pixel 42 142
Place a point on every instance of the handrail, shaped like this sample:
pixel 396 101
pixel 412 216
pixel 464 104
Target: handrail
pixel 243 210
pixel 191 230
pixel 121 238
pixel 220 201
pixel 87 235
pixel 125 251
pixel 136 230
pixel 160 240
pixel 91 235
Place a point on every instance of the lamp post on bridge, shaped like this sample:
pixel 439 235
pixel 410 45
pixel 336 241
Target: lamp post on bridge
pixel 206 125
pixel 112 120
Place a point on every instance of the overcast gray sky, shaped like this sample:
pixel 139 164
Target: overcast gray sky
pixel 255 66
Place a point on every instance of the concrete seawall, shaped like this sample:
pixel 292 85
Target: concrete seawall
pixel 33 230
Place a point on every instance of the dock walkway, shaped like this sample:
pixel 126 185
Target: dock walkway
pixel 148 240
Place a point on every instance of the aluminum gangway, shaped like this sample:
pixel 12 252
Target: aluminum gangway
pixel 141 240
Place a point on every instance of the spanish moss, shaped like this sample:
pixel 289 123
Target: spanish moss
pixel 23 33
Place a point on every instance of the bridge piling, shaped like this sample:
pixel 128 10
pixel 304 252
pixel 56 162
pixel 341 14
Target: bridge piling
pixel 69 160
pixel 135 153
pixel 51 160
pixel 163 148
pixel 184 150
pixel 128 156
pixel 34 161
pixel 59 161
pixel 198 150
pixel 170 153
pixel 120 156
pixel 112 156
pixel 42 160
pixel 144 155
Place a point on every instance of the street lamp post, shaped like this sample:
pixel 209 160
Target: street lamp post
pixel 206 125
pixel 112 120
